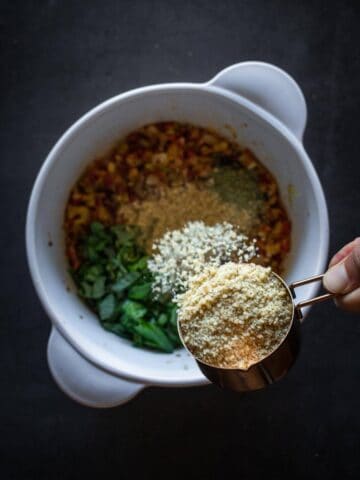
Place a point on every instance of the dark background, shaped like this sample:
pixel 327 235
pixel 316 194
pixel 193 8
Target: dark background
pixel 61 58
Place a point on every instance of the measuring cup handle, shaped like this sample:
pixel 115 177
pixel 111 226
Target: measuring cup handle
pixel 310 301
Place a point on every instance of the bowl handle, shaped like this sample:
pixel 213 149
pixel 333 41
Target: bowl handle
pixel 268 87
pixel 82 381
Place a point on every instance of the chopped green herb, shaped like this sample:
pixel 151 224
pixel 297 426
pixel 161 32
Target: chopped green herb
pixel 114 328
pixel 106 307
pixel 99 287
pixel 97 228
pixel 162 319
pixel 139 265
pixel 140 292
pixel 133 310
pixel 173 316
pixel 155 335
pixel 125 282
pixel 115 281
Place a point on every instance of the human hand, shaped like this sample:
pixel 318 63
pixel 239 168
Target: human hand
pixel 343 276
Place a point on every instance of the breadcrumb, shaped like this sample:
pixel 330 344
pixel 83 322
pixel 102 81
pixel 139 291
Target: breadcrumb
pixel 235 315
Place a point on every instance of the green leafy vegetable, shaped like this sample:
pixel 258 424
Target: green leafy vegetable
pixel 140 265
pixel 97 227
pixel 124 282
pixel 162 319
pixel 140 292
pixel 155 335
pixel 133 310
pixel 99 287
pixel 115 281
pixel 129 254
pixel 116 328
pixel 106 307
pixel 173 316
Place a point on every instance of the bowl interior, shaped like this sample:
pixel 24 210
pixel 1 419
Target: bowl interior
pixel 94 134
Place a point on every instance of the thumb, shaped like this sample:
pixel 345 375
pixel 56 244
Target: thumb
pixel 345 275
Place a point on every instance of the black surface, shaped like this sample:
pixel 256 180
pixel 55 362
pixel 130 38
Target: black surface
pixel 59 59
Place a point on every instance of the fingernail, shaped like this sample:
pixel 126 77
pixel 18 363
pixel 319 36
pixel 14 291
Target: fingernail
pixel 336 278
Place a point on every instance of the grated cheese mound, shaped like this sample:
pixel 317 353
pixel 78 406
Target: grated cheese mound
pixel 182 254
pixel 235 315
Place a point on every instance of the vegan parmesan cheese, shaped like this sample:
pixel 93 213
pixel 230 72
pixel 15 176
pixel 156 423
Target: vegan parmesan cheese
pixel 235 315
pixel 182 254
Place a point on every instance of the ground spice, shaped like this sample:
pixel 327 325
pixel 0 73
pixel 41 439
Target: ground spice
pixel 235 315
pixel 240 187
pixel 176 206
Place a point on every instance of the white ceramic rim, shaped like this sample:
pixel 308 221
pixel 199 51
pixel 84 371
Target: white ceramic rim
pixel 40 287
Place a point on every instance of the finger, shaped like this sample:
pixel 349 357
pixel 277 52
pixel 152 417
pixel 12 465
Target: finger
pixel 343 253
pixel 345 276
pixel 350 301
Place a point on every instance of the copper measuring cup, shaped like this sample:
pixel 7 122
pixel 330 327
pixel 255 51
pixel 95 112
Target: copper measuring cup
pixel 275 365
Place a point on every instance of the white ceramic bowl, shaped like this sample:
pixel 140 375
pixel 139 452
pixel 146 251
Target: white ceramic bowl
pixel 266 109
